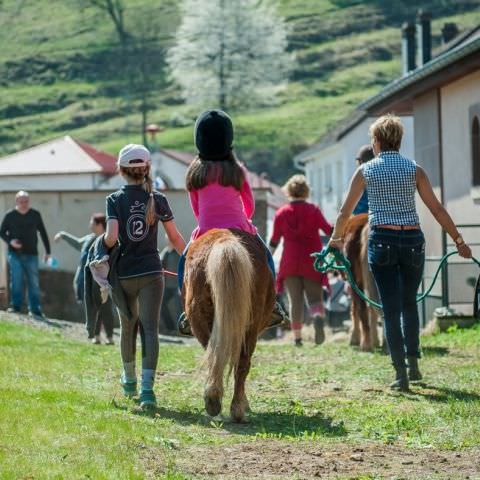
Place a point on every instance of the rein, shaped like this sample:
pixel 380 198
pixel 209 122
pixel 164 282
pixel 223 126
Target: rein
pixel 168 272
pixel 332 259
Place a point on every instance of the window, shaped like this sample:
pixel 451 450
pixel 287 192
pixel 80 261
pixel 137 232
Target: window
pixel 476 151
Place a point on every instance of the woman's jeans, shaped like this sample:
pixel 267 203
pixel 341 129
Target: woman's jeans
pixel 396 259
pixel 23 267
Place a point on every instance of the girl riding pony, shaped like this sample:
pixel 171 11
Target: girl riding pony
pixel 220 194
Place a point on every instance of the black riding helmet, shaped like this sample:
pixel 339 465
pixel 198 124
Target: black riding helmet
pixel 214 135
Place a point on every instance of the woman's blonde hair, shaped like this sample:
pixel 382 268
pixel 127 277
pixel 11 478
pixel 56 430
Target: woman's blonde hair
pixel 387 131
pixel 297 187
pixel 143 173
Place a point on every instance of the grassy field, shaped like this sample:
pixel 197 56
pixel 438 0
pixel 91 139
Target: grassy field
pixel 58 73
pixel 318 412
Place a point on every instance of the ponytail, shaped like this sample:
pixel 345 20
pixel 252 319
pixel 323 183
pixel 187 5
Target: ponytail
pixel 150 212
pixel 138 174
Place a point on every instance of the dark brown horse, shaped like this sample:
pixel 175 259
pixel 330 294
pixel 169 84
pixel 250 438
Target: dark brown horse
pixel 364 318
pixel 229 297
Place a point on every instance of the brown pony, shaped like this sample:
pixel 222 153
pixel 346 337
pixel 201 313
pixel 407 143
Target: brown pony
pixel 229 297
pixel 364 318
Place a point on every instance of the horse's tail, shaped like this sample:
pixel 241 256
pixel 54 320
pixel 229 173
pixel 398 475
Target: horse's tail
pixel 230 276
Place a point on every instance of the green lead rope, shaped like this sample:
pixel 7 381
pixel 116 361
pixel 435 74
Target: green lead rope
pixel 332 259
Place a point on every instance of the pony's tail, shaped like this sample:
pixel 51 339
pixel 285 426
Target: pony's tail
pixel 230 276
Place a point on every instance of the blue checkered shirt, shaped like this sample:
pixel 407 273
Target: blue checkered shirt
pixel 391 186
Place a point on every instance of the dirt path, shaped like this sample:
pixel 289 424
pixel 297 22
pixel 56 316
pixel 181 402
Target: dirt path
pixel 274 460
pixel 76 331
pixel 73 330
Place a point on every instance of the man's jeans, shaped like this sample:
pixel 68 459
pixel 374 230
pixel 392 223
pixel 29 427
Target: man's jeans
pixel 396 259
pixel 24 267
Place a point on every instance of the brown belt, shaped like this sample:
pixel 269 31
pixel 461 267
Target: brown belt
pixel 399 227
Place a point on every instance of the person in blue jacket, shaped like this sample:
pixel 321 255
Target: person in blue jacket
pixel 105 315
pixel 364 155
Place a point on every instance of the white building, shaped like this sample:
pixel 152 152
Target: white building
pixel 439 101
pixel 329 164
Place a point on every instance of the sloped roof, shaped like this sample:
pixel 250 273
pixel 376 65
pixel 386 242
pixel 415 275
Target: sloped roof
pixel 463 46
pixel 339 130
pixel 105 160
pixel 183 157
pixel 460 39
pixel 63 155
pixel 437 72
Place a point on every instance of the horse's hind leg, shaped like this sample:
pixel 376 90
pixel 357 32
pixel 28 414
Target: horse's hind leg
pixel 239 403
pixel 213 393
pixel 355 317
pixel 366 334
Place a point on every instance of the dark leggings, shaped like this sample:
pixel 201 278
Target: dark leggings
pixel 144 298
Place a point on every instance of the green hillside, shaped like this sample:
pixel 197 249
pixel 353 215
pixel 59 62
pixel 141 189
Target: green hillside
pixel 60 73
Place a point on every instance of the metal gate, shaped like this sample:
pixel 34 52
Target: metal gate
pixel 456 285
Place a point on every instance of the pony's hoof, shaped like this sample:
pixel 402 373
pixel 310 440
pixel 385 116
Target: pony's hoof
pixel 237 416
pixel 237 411
pixel 365 347
pixel 213 402
pixel 354 341
pixel 240 419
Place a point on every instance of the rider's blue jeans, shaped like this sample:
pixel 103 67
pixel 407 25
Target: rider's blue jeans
pixel 181 262
pixel 24 267
pixel 396 259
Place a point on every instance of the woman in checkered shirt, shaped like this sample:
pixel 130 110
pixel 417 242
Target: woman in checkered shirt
pixel 396 248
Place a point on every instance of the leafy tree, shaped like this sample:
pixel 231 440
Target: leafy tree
pixel 230 53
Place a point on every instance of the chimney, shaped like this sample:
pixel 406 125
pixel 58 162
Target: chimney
pixel 424 37
pixel 408 47
pixel 449 32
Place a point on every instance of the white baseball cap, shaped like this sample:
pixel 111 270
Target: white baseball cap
pixel 133 155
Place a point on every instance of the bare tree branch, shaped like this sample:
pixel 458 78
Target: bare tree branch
pixel 115 10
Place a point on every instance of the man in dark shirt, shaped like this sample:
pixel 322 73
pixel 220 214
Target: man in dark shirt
pixel 19 230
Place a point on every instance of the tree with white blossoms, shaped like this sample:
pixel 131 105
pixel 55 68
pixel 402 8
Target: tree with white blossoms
pixel 230 53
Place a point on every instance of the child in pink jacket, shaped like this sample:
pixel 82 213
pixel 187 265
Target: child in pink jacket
pixel 219 191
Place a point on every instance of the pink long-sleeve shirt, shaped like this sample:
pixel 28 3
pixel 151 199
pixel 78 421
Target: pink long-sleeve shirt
pixel 216 206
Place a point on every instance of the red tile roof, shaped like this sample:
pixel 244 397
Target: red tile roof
pixel 107 162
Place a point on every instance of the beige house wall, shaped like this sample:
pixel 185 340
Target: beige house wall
pixel 427 155
pixel 71 211
pixel 457 98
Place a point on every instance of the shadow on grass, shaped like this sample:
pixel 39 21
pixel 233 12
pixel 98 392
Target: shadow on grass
pixel 265 423
pixel 444 394
pixel 435 351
